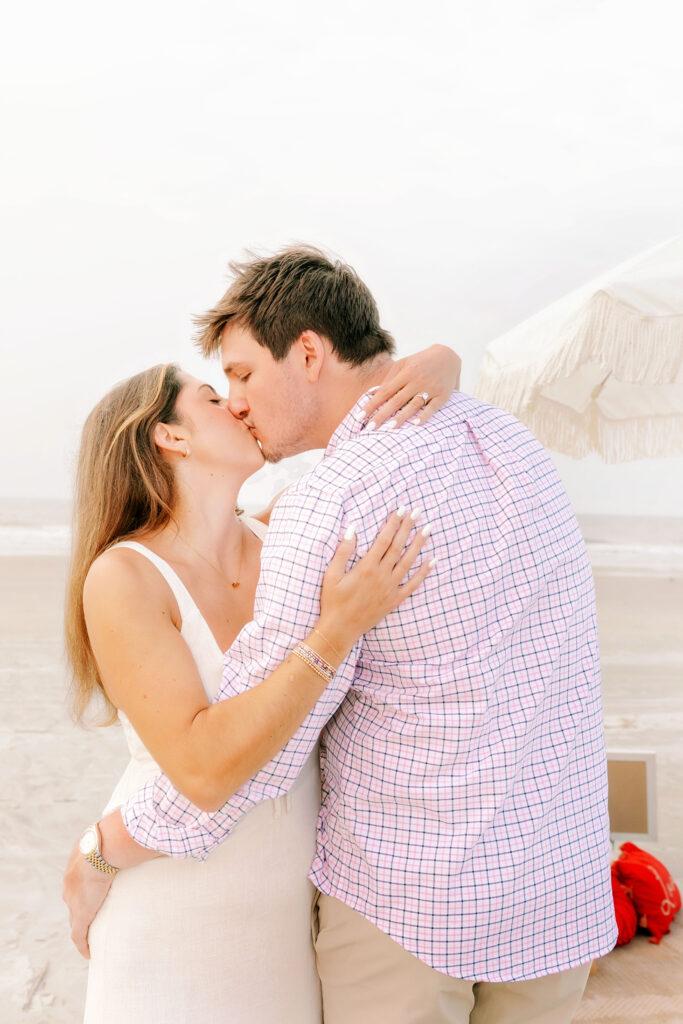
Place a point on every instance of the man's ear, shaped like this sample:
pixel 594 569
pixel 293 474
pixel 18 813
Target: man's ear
pixel 167 440
pixel 312 350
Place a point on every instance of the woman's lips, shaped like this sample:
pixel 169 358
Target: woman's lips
pixel 254 435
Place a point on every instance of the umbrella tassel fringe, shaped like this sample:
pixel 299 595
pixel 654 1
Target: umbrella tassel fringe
pixel 615 440
pixel 636 348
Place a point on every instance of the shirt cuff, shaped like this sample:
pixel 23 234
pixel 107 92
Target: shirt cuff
pixel 164 825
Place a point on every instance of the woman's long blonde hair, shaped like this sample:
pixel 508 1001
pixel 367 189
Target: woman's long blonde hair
pixel 123 487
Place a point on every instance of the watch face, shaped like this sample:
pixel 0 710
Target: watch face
pixel 88 842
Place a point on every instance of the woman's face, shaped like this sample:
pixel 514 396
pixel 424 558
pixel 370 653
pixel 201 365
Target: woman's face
pixel 215 437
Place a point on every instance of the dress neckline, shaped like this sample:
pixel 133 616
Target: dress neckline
pixel 136 545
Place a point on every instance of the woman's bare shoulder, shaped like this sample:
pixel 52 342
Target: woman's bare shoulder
pixel 122 575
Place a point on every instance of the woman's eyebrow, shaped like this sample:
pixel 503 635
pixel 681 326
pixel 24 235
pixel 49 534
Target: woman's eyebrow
pixel 209 386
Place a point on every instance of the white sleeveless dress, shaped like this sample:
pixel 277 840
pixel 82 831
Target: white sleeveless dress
pixel 227 941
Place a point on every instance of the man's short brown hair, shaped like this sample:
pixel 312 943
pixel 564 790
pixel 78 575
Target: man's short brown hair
pixel 298 289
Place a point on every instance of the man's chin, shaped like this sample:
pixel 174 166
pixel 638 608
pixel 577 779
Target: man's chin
pixel 277 452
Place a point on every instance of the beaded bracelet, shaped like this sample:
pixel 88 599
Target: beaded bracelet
pixel 314 661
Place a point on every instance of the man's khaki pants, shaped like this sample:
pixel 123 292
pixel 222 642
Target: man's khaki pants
pixel 367 978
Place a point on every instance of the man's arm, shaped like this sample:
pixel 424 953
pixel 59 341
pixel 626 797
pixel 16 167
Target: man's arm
pixel 303 537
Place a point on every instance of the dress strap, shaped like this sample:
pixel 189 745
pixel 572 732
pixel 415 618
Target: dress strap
pixel 186 604
pixel 256 526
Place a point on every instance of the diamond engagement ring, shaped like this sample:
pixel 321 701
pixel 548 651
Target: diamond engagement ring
pixel 425 398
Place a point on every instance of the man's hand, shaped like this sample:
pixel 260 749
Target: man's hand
pixel 84 892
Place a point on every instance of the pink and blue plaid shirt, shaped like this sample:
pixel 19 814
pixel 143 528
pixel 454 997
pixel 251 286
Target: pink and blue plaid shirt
pixel 464 806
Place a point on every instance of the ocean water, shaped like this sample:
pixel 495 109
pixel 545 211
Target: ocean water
pixel 626 545
pixel 635 545
pixel 35 526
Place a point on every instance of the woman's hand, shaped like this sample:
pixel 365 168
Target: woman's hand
pixel 353 602
pixel 435 372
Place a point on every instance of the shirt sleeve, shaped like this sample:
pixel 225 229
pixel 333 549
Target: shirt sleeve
pixel 302 538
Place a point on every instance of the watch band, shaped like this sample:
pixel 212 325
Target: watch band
pixel 100 863
pixel 89 845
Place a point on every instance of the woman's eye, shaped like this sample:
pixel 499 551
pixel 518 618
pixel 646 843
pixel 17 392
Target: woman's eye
pixel 245 378
pixel 215 401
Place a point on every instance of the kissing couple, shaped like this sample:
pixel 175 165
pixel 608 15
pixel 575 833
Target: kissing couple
pixel 368 776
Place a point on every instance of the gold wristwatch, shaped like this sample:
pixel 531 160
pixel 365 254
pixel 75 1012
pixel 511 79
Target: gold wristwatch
pixel 89 845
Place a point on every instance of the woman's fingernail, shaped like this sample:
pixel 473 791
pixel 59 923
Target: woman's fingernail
pixel 427 530
pixel 391 424
pixel 350 532
pixel 371 425
pixel 433 562
pixel 401 511
pixel 416 421
pixel 415 514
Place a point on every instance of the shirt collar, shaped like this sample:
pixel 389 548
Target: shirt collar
pixel 353 423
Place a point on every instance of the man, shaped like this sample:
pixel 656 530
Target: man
pixel 462 855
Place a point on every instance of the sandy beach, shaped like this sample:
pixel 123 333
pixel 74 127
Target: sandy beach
pixel 56 777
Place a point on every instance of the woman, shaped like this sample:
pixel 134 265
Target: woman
pixel 162 581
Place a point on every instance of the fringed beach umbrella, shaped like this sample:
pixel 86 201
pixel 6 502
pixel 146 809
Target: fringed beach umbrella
pixel 602 369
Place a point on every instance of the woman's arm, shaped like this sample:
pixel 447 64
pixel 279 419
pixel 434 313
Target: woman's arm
pixel 434 372
pixel 209 751
pixel 151 704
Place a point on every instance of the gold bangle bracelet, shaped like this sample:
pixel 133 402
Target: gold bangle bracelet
pixel 329 643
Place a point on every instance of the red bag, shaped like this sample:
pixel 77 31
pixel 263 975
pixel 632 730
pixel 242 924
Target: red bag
pixel 625 912
pixel 654 893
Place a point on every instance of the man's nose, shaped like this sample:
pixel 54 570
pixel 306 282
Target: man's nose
pixel 237 405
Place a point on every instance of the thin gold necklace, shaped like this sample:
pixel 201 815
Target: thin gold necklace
pixel 233 583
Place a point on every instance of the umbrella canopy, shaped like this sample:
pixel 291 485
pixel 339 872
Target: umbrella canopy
pixel 602 369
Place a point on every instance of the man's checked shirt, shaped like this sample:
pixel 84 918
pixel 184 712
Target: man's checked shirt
pixel 464 807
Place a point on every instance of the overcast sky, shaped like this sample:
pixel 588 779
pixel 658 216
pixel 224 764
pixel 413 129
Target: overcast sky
pixel 473 160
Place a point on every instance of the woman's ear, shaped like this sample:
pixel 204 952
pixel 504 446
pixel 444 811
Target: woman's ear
pixel 167 440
